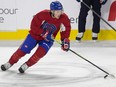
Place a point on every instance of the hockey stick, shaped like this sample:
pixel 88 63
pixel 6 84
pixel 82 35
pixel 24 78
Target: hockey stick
pixel 108 74
pixel 98 16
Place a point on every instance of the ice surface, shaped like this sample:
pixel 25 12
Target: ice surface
pixel 62 69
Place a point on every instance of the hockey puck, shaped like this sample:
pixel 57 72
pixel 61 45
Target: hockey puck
pixel 105 76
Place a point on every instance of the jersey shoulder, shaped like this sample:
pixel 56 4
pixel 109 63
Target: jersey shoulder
pixel 44 12
pixel 64 17
pixel 43 15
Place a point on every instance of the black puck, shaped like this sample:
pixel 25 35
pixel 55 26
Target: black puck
pixel 105 76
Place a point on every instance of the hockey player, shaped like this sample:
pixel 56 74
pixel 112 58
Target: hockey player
pixel 44 27
pixel 96 6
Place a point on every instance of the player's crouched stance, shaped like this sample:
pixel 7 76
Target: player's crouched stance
pixel 44 26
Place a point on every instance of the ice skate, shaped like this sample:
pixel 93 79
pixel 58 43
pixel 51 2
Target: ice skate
pixel 79 37
pixel 23 68
pixel 94 37
pixel 5 66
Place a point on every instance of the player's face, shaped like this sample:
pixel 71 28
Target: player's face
pixel 57 13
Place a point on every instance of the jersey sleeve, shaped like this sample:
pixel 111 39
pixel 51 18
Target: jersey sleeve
pixel 66 33
pixel 36 24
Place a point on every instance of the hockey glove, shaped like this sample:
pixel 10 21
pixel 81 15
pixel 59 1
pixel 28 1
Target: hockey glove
pixel 65 44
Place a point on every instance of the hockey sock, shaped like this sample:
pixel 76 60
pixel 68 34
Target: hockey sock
pixel 16 56
pixel 40 52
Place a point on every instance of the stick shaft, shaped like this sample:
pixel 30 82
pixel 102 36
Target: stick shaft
pixel 89 61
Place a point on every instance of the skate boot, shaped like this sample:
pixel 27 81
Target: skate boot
pixel 5 66
pixel 94 37
pixel 23 68
pixel 79 36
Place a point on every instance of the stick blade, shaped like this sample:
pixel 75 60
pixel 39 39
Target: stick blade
pixel 110 76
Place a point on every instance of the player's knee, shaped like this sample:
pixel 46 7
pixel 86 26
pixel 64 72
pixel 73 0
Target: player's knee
pixel 18 54
pixel 82 17
pixel 41 52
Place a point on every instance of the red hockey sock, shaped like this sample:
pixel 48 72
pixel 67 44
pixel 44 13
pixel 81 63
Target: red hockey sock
pixel 40 52
pixel 16 56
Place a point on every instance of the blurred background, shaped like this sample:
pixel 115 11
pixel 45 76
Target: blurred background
pixel 16 16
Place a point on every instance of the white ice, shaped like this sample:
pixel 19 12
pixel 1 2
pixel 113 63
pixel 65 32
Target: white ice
pixel 62 69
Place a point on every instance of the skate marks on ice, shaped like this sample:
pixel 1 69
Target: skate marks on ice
pixel 49 74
